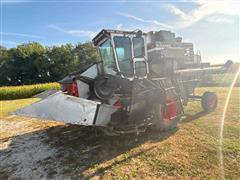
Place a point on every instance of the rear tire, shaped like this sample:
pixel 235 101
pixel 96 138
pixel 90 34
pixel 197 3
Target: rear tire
pixel 209 101
pixel 162 124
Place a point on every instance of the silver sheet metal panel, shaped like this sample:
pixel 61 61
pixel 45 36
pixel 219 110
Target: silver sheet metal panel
pixel 104 114
pixel 83 88
pixel 64 108
pixel 92 72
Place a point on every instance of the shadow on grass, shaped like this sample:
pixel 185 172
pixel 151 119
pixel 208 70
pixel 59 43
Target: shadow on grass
pixel 188 118
pixel 68 151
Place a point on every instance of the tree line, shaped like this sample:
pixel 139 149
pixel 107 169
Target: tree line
pixel 32 63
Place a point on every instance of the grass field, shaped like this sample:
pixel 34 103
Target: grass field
pixel 223 80
pixel 45 149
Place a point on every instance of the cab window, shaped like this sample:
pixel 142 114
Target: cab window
pixel 138 47
pixel 124 55
pixel 106 53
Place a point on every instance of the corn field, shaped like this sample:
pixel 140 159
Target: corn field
pixel 25 91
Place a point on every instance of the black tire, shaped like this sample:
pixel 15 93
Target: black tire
pixel 209 101
pixel 101 90
pixel 159 123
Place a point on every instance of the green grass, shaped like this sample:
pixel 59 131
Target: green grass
pixel 7 106
pixel 223 80
pixel 190 152
pixel 25 91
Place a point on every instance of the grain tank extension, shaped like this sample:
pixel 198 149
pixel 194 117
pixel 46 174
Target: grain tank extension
pixel 142 80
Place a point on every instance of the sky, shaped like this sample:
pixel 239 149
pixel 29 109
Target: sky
pixel 213 26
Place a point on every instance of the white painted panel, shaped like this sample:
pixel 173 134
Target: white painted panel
pixel 61 107
pixel 104 114
pixel 91 72
pixel 83 89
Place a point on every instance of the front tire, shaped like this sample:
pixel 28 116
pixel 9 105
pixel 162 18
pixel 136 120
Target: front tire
pixel 209 101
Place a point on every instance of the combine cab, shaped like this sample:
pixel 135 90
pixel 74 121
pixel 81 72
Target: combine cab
pixel 142 80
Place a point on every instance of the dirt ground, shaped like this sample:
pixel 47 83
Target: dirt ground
pixel 36 149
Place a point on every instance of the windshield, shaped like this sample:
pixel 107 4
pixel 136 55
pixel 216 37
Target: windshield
pixel 107 57
pixel 124 55
pixel 138 47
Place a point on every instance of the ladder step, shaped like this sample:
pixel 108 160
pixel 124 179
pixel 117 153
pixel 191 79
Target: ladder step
pixel 170 88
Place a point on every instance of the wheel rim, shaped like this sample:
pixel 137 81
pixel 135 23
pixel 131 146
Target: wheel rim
pixel 170 110
pixel 101 90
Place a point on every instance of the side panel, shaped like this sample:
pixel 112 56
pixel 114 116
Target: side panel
pixel 104 113
pixel 91 72
pixel 64 108
pixel 83 88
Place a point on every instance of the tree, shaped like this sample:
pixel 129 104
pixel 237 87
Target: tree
pixel 33 63
pixel 86 53
pixel 62 61
pixel 4 60
pixel 24 67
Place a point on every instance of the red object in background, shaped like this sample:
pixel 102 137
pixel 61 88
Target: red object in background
pixel 72 89
pixel 171 109
pixel 118 105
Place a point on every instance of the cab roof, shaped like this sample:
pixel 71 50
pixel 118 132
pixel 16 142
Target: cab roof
pixel 105 33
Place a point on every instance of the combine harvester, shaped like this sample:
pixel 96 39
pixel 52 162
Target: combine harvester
pixel 142 80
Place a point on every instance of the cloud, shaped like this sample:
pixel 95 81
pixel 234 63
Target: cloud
pixel 21 35
pixel 132 17
pixel 173 9
pixel 151 22
pixel 119 26
pixel 205 10
pixel 219 19
pixel 74 32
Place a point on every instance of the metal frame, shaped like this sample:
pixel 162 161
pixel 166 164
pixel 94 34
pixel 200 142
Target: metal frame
pixel 110 34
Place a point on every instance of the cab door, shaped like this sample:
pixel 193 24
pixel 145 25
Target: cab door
pixel 139 56
pixel 130 54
